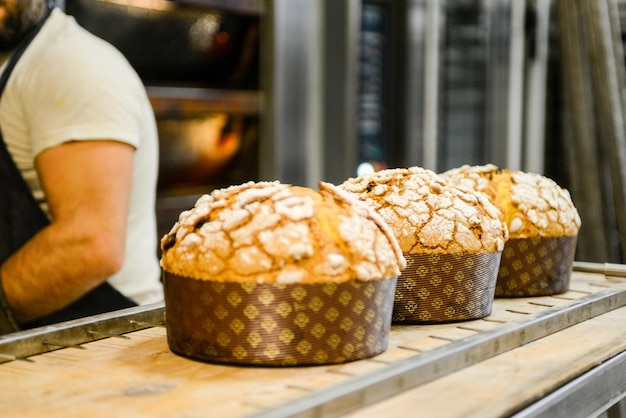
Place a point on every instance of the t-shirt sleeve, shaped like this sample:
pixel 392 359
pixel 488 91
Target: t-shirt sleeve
pixel 82 91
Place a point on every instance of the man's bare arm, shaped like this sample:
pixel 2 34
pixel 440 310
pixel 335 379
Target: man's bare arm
pixel 87 186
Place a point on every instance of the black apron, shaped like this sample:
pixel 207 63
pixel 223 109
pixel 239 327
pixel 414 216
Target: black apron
pixel 21 218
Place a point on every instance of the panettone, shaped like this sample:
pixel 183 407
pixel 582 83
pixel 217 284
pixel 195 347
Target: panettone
pixel 273 274
pixel 543 226
pixel 533 205
pixel 428 215
pixel 270 232
pixel 452 239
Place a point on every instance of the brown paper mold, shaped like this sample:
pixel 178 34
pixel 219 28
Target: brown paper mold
pixel 452 240
pixel 277 275
pixel 437 288
pixel 536 266
pixel 278 324
pixel 543 226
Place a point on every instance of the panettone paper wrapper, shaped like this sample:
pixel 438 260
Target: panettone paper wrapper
pixel 537 266
pixel 438 288
pixel 277 324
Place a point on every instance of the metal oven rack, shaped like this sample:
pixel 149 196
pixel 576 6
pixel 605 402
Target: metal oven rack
pixel 597 289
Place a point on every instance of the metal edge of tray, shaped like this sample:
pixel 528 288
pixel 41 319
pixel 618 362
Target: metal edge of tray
pixel 241 6
pixel 178 99
pixel 608 269
pixel 24 344
pixel 394 378
pixel 586 396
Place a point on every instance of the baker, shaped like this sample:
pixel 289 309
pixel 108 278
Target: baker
pixel 78 172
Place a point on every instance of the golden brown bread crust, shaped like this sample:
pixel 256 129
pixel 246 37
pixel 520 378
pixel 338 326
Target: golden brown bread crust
pixel 269 232
pixel 428 215
pixel 532 205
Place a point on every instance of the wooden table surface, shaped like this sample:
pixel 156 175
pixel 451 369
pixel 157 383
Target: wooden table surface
pixel 136 375
pixel 501 385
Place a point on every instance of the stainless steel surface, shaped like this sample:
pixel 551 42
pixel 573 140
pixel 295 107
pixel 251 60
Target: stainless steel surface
pixel 291 77
pixel 434 24
pixel 416 370
pixel 24 344
pixel 609 269
pixel 339 101
pixel 535 88
pixel 500 76
pixel 206 100
pixel 242 6
pixel 515 103
pixel 587 396
pixel 414 105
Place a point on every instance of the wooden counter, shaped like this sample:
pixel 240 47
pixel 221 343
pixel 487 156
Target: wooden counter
pixel 514 361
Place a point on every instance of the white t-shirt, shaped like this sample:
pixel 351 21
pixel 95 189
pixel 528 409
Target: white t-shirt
pixel 71 85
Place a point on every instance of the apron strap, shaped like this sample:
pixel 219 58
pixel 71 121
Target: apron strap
pixel 20 222
pixel 12 213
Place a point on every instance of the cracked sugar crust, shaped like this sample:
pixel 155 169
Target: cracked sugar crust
pixel 427 215
pixel 533 205
pixel 268 232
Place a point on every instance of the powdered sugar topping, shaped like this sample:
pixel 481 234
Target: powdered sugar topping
pixel 272 232
pixel 427 214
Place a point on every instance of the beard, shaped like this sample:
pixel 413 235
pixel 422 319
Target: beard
pixel 19 21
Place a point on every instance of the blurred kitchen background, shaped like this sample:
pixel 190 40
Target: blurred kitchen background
pixel 307 90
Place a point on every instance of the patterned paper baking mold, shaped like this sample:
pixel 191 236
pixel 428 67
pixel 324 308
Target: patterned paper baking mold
pixel 277 324
pixel 438 288
pixel 536 266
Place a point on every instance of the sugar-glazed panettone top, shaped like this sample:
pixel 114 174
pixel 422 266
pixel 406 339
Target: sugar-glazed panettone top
pixel 268 232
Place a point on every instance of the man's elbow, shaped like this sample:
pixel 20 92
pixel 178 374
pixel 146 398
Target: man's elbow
pixel 106 256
